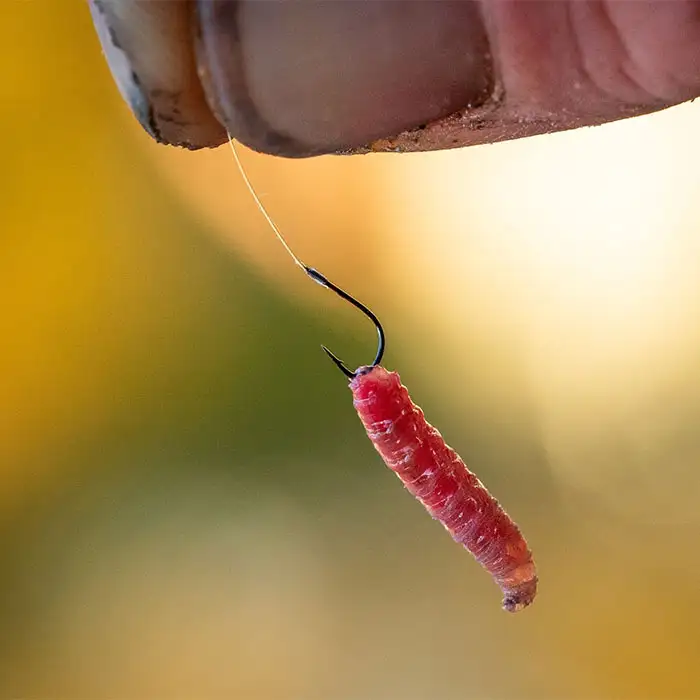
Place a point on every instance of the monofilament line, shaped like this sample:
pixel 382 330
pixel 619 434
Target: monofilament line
pixel 261 206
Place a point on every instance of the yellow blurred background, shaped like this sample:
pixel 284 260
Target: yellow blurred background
pixel 189 506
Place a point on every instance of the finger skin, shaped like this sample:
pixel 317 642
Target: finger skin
pixel 564 65
pixel 309 77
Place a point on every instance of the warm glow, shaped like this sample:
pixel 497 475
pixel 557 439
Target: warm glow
pixel 580 249
pixel 190 507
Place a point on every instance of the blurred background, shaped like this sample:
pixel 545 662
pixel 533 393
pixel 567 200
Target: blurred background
pixel 189 506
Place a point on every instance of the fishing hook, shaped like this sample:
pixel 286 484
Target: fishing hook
pixel 317 277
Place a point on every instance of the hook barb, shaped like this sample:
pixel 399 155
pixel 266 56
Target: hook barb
pixel 338 363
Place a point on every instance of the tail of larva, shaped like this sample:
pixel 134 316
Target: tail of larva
pixel 436 475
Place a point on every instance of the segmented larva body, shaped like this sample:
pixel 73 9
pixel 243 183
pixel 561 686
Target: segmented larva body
pixel 436 475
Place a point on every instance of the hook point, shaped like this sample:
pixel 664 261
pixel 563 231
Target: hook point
pixel 338 363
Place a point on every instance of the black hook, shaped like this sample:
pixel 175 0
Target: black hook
pixel 317 277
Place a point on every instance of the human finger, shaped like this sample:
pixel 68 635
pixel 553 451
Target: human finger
pixel 311 77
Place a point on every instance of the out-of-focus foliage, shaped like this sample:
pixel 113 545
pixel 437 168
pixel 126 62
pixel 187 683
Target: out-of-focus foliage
pixel 189 506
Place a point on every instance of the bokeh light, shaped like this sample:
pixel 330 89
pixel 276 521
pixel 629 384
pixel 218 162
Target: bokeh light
pixel 189 505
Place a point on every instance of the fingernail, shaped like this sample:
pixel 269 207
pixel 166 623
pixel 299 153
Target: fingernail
pixel 125 78
pixel 302 78
pixel 148 45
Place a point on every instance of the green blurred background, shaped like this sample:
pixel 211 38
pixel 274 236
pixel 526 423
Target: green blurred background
pixel 189 506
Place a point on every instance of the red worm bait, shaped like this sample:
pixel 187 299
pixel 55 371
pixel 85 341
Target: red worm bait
pixel 435 474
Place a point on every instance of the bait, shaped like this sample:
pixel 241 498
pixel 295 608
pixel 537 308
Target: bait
pixel 429 469
pixel 434 473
